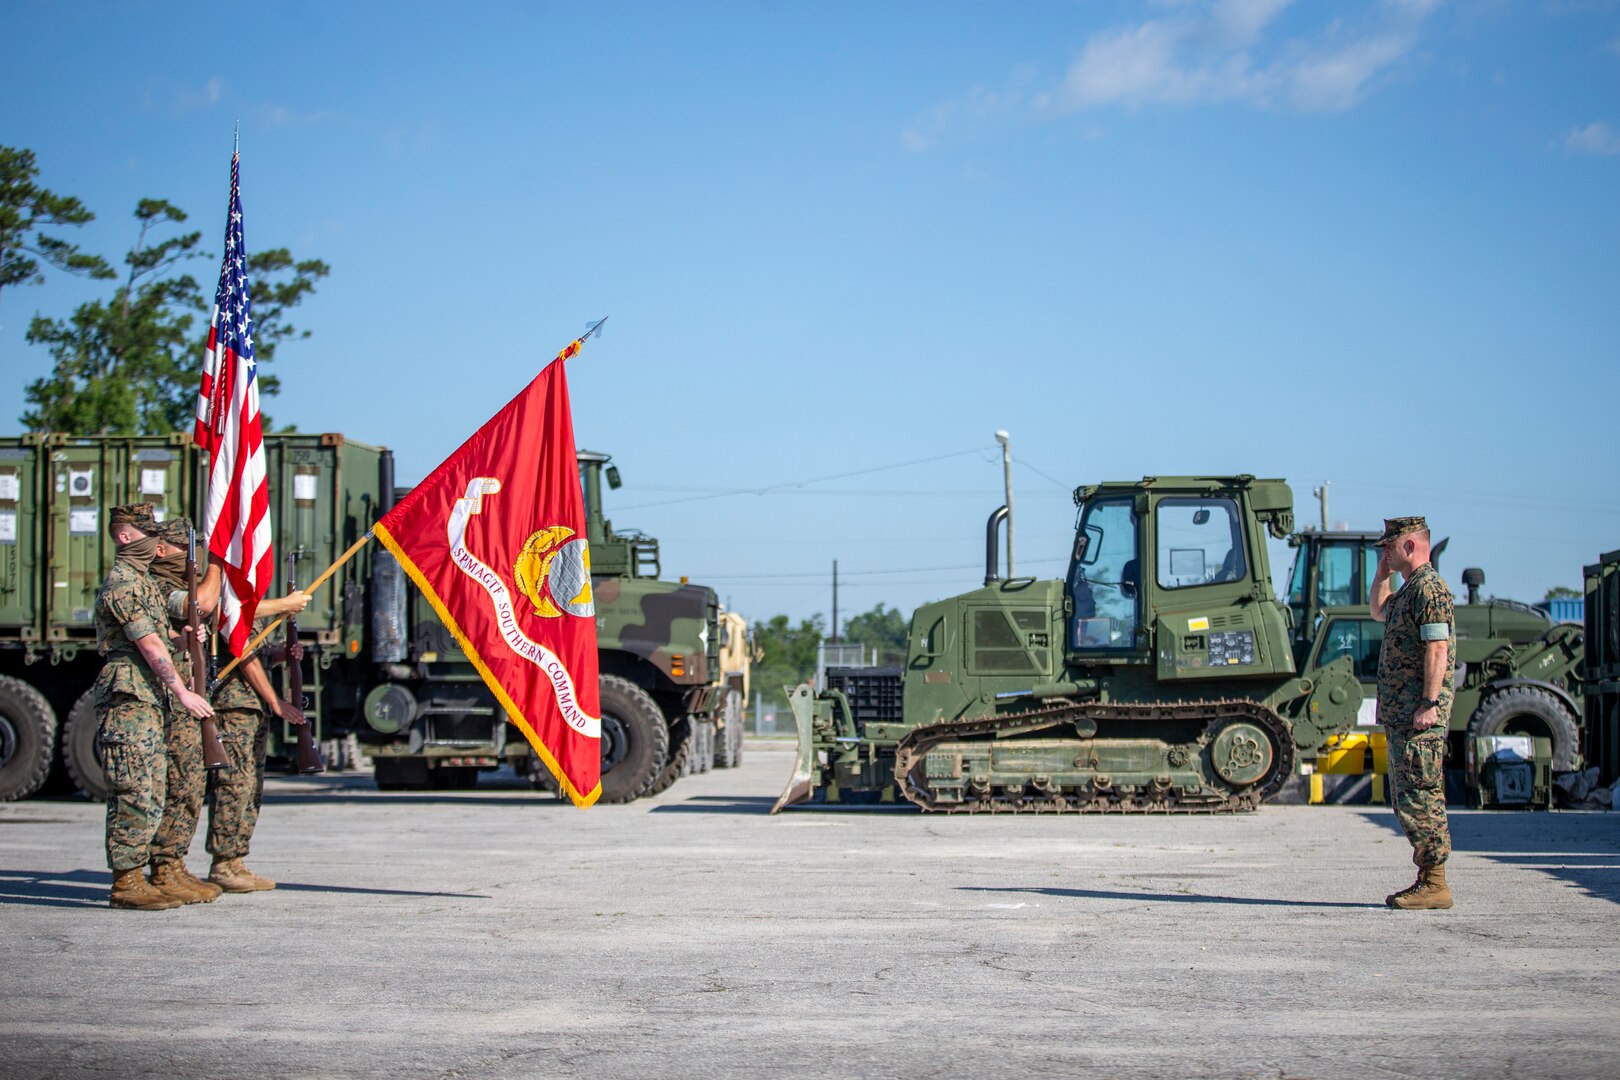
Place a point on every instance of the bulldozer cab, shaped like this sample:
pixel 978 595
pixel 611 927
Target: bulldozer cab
pixel 1174 572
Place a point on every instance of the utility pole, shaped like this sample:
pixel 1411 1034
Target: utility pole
pixel 835 603
pixel 1006 474
pixel 1321 494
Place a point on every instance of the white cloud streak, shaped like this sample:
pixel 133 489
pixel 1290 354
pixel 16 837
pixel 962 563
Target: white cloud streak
pixel 1594 138
pixel 1211 52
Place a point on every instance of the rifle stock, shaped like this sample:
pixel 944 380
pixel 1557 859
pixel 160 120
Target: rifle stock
pixel 308 756
pixel 214 756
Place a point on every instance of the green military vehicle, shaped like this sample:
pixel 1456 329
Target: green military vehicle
pixel 1518 672
pixel 378 662
pixel 431 721
pixel 1159 675
pixel 54 551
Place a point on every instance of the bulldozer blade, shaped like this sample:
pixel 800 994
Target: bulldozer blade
pixel 802 783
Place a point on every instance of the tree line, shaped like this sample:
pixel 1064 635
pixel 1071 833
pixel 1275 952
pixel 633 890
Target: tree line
pixel 130 363
pixel 786 652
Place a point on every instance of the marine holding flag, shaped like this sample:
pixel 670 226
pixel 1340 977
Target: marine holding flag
pixel 495 537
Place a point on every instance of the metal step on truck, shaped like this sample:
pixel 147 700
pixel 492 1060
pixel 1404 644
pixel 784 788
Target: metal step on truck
pixel 376 665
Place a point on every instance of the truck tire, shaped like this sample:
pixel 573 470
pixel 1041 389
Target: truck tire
pixel 27 739
pixel 728 740
pixel 680 735
pixel 81 749
pixel 1525 710
pixel 400 774
pixel 635 740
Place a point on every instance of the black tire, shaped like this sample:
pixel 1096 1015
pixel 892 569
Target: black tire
pixel 680 735
pixel 27 739
pixel 81 749
pixel 1526 710
pixel 728 740
pixel 634 738
pixel 453 778
pixel 400 774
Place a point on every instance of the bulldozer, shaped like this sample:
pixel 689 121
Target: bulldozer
pixel 1159 675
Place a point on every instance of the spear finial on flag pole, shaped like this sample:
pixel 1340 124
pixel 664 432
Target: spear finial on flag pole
pixel 571 350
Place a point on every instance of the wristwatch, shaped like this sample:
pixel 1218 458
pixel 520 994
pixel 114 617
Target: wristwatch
pixel 1429 702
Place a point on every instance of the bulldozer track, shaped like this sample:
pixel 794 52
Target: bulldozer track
pixel 915 746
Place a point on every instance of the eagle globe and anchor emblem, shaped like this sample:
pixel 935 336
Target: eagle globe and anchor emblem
pixel 554 571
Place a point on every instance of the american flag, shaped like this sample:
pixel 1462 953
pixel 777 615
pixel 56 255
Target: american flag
pixel 236 517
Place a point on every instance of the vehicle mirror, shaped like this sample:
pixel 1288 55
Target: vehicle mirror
pixel 1201 516
pixel 1086 551
pixel 613 477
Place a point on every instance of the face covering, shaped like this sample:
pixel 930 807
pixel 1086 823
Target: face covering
pixel 140 552
pixel 170 569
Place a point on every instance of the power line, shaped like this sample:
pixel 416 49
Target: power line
pixel 785 575
pixel 770 488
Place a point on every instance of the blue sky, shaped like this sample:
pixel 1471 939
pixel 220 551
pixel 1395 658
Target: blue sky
pixel 1372 243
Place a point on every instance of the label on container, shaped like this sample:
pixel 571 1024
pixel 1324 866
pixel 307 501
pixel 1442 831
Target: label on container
pixel 154 481
pixel 305 486
pixel 82 522
pixel 10 487
pixel 1367 712
pixel 8 526
pixel 81 483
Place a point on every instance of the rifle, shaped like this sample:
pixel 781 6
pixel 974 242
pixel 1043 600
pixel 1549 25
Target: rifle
pixel 308 757
pixel 214 756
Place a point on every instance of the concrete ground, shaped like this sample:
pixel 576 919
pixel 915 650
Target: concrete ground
pixel 497 933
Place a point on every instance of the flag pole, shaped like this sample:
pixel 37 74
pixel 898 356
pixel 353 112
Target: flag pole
pixel 354 549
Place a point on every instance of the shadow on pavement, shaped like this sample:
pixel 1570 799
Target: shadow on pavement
pixel 1172 898
pixel 88 888
pixel 1580 849
pixel 718 804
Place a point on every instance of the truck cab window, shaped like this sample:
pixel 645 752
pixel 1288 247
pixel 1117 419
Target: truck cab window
pixel 1104 579
pixel 1200 542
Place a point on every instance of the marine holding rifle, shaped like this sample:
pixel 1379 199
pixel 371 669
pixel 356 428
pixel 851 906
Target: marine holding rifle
pixel 137 692
pixel 187 779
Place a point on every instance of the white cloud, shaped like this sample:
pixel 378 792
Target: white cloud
pixel 211 93
pixel 280 116
pixel 1594 138
pixel 1205 52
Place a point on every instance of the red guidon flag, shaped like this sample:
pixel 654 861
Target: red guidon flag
pixel 495 538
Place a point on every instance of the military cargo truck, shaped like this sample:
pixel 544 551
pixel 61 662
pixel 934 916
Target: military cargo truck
pixel 1158 675
pixel 378 663
pixel 1517 670
pixel 1600 669
pixel 54 550
pixel 431 721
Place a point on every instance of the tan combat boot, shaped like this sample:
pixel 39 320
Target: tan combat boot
pixel 260 883
pixel 1429 892
pixel 233 877
pixel 131 890
pixel 171 879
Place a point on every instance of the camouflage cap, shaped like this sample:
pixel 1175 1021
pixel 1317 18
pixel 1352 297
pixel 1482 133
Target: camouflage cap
pixel 175 531
pixel 136 514
pixel 1395 528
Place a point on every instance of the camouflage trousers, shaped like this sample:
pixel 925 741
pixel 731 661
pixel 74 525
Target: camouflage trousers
pixel 136 763
pixel 234 796
pixel 187 782
pixel 1417 782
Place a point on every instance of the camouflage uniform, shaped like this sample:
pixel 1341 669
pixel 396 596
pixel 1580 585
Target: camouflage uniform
pixel 187 779
pixel 1416 615
pixel 132 707
pixel 233 808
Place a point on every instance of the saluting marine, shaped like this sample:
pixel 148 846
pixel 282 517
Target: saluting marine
pixel 187 776
pixel 135 693
pixel 1415 672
